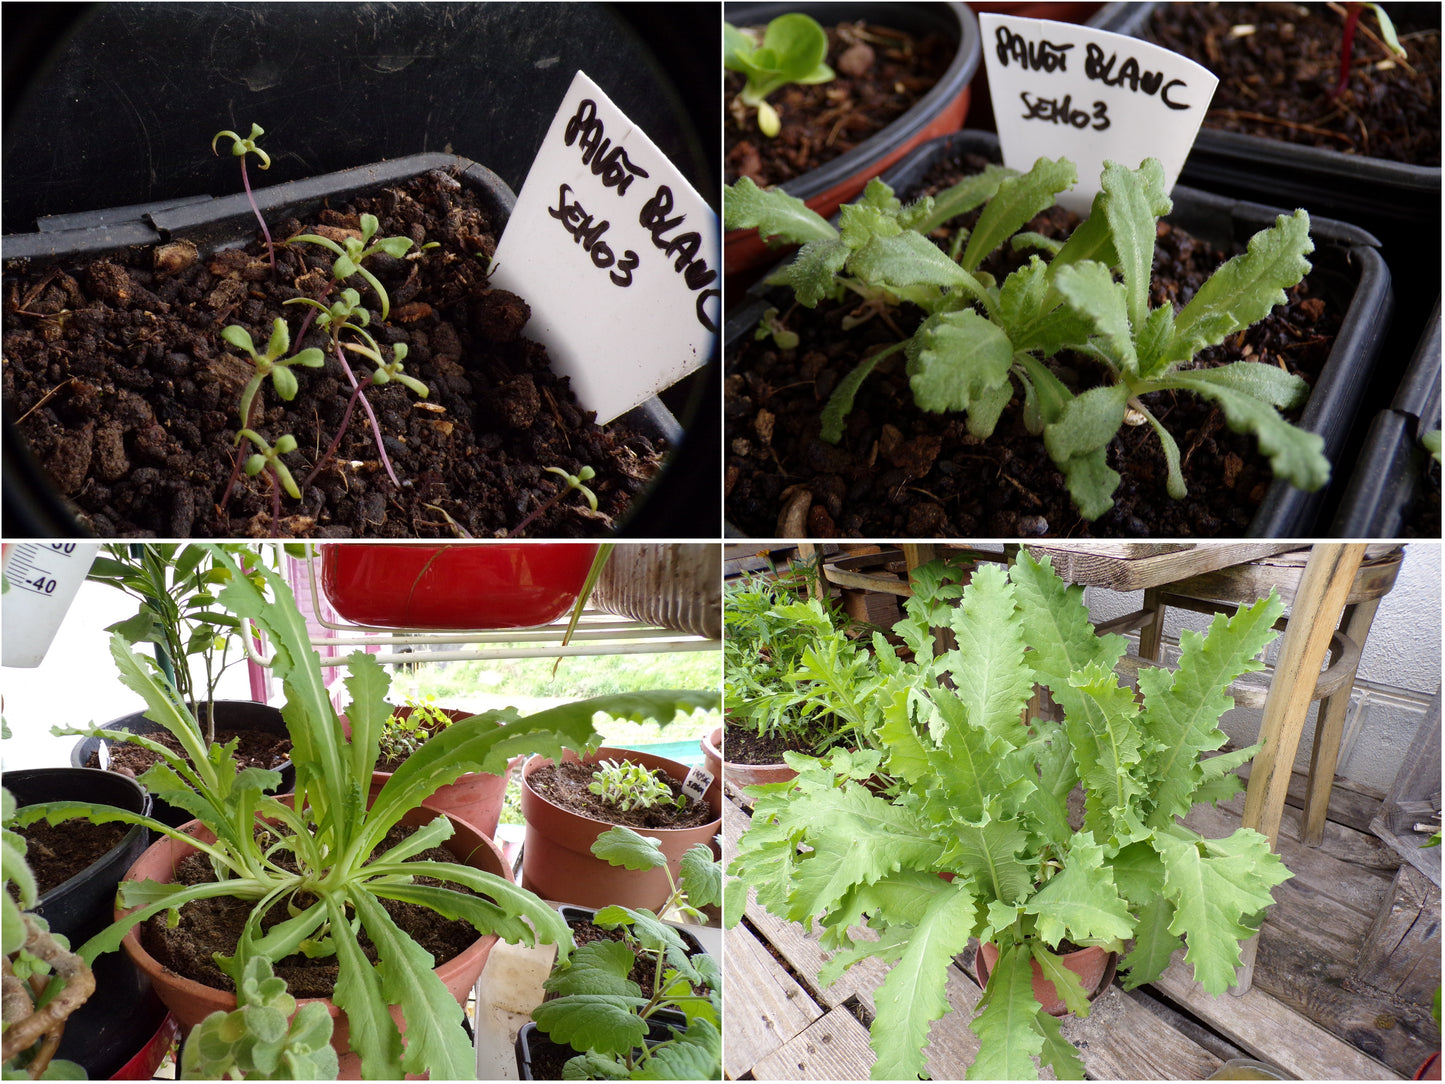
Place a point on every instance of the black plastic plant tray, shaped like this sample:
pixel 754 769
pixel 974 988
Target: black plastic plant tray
pixel 1346 261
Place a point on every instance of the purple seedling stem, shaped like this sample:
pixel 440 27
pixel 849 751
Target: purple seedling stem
pixel 240 148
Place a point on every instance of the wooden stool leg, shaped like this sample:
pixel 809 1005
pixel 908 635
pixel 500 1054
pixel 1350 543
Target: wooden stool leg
pixel 1324 586
pixel 1151 635
pixel 1329 730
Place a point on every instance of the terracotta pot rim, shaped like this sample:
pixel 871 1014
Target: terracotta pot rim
pixel 1111 963
pixel 226 999
pixel 537 760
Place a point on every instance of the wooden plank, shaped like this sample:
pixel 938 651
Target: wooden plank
pixel 1352 804
pixel 834 1048
pixel 1131 567
pixel 1271 1031
pixel 1120 1039
pixel 1247 582
pixel 1401 953
pixel 763 1006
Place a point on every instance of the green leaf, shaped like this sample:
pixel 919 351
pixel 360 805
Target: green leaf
pixel 913 994
pixel 1090 289
pixel 773 213
pixel 1066 982
pixel 599 1009
pixel 1091 482
pixel 1017 200
pixel 1294 454
pixel 1081 903
pixel 1087 423
pixel 1005 1021
pixel 988 855
pixel 1214 885
pixel 1134 201
pixel 358 993
pixel 973 191
pixel 701 877
pixel 957 360
pixel 1153 943
pixel 993 682
pixel 621 846
pixel 810 274
pixel 909 259
pixel 1245 289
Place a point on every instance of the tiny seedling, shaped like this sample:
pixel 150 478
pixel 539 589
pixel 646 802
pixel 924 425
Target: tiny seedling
pixel 573 481
pixel 349 257
pixel 1347 40
pixel 268 458
pixel 240 148
pixel 630 786
pixel 791 51
pixel 980 338
pixel 402 735
pixel 266 1037
pixel 771 327
pixel 273 363
pixel 1431 441
pixel 602 1013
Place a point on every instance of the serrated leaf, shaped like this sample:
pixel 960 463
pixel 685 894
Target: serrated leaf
pixel 1214 885
pixel 908 259
pixel 1017 200
pixel 1091 291
pixel 701 877
pixel 1294 454
pixel 1066 982
pixel 988 856
pixel 773 213
pixel 991 679
pixel 810 273
pixel 1134 201
pixel 1153 943
pixel 971 192
pixel 621 846
pixel 1005 1021
pixel 1057 1052
pixel 1087 423
pixel 1107 746
pixel 1244 289
pixel 1091 482
pixel 1081 902
pixel 912 996
pixel 958 359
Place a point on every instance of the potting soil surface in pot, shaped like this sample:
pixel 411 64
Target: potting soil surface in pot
pixel 881 73
pixel 644 970
pixel 744 745
pixel 56 853
pixel 566 785
pixel 903 472
pixel 1279 63
pixel 129 397
pixel 215 925
pixel 254 749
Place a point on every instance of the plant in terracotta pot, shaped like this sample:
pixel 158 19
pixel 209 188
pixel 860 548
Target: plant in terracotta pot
pixel 960 824
pixel 607 995
pixel 565 816
pixel 901 74
pixel 313 875
pixel 771 634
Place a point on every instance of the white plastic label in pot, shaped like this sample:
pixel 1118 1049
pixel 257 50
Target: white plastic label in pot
pixel 1065 91
pixel 41 579
pixel 616 254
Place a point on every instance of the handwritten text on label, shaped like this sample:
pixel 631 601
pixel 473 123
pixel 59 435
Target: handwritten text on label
pixel 1046 56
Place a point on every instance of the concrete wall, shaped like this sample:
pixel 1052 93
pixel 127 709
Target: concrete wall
pixel 1399 670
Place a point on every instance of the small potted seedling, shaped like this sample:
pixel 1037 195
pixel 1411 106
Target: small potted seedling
pixel 240 148
pixel 646 1004
pixel 790 50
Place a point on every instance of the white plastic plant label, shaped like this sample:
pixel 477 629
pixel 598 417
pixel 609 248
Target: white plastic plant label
pixel 1066 91
pixel 696 784
pixel 616 254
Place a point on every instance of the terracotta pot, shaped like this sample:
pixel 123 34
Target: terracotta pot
pixel 1429 1069
pixel 476 586
pixel 745 775
pixel 476 797
pixel 557 862
pixel 1094 966
pixel 191 1002
pixel 938 112
pixel 712 752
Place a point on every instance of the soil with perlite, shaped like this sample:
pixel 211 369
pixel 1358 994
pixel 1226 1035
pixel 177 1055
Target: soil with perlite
pixel 566 785
pixel 880 74
pixel 128 396
pixel 903 472
pixel 1278 65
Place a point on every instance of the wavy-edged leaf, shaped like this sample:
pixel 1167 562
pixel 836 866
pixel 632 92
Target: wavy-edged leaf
pixel 993 683
pixel 1134 200
pixel 1091 291
pixel 1087 423
pixel 1154 944
pixel 358 993
pixel 1081 902
pixel 988 855
pixel 1067 983
pixel 1005 1023
pixel 973 191
pixel 773 213
pixel 1108 747
pixel 811 272
pixel 914 993
pixel 1017 200
pixel 621 846
pixel 958 359
pixel 909 259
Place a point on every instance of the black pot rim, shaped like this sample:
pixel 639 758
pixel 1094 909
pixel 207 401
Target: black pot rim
pixel 1285 512
pixel 956 78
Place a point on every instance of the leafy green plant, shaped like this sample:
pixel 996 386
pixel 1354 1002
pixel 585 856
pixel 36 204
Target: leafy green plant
pixel 175 586
pixel 329 832
pixel 273 363
pixel 962 781
pixel 1352 13
pixel 264 1038
pixel 629 786
pixel 603 1014
pixel 792 50
pixel 240 148
pixel 43 981
pixel 403 733
pixel 770 633
pixel 978 338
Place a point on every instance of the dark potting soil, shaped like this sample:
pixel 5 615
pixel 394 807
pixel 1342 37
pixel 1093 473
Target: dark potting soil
pixel 548 1057
pixel 254 749
pixel 566 785
pixel 881 73
pixel 215 925
pixel 128 396
pixel 1276 80
pixel 56 853
pixel 903 472
pixel 744 745
pixel 1423 518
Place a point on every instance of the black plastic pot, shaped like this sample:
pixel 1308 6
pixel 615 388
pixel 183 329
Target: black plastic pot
pixel 1390 472
pixel 531 1039
pixel 240 714
pixel 938 111
pixel 574 915
pixel 105 1033
pixel 34 508
pixel 1346 261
